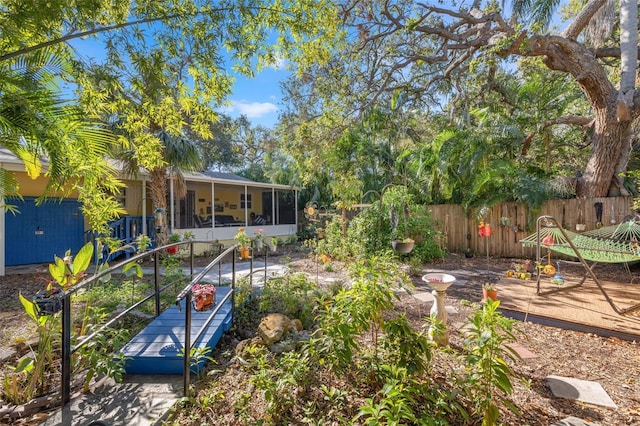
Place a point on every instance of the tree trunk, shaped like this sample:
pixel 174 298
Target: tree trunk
pixel 610 138
pixel 159 198
pixel 610 147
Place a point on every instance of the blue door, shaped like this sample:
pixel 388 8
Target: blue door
pixel 38 233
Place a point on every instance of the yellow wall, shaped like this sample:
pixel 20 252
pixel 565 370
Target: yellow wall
pixel 36 187
pixel 225 195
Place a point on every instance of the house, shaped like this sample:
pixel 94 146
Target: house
pixel 216 204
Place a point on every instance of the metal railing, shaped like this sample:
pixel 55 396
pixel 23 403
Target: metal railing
pixel 187 293
pixel 68 350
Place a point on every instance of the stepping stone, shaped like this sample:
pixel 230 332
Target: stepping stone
pixel 522 351
pixel 6 353
pixel 423 296
pixel 579 390
pixel 573 421
pixel 451 309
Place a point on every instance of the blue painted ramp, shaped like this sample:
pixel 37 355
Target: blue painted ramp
pixel 157 349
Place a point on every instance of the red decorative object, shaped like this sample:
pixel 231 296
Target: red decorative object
pixel 485 230
pixel 548 240
pixel 172 250
pixel 203 297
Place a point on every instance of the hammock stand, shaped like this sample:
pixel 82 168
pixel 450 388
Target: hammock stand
pixel 611 244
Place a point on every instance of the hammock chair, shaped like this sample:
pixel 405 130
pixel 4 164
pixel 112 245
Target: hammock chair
pixel 611 244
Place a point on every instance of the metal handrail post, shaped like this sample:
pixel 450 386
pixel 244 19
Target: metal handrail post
pixel 66 349
pixel 251 256
pixel 233 287
pixel 187 344
pixel 156 281
pixel 191 256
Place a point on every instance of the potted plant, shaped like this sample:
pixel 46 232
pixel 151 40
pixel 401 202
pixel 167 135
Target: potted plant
pixel 400 240
pixel 273 244
pixel 173 238
pixel 259 239
pixel 243 240
pixel 403 246
pixel 489 291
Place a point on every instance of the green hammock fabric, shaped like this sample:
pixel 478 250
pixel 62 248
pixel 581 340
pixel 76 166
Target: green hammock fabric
pixel 611 244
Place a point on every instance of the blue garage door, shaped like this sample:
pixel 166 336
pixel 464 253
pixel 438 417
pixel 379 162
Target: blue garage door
pixel 38 233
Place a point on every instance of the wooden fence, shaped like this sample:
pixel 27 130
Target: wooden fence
pixel 512 222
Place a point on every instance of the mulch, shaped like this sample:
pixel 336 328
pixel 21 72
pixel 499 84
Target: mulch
pixel 611 362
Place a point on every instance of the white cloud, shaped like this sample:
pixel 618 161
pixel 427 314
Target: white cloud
pixel 254 109
pixel 279 64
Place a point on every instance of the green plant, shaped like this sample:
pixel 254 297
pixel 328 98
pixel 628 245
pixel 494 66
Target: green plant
pixel 274 242
pixel 68 271
pixel 30 377
pixel 393 405
pixel 242 238
pixel 489 377
pixel 189 236
pixel 406 347
pixel 415 266
pixel 174 238
pixel 197 358
pixel 357 310
pixel 489 286
pixel 293 295
pixel 143 242
pixel 97 356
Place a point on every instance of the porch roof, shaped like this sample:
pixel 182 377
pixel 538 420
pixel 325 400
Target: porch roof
pixel 9 161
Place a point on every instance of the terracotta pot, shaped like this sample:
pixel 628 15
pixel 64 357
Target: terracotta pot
pixel 489 294
pixel 402 247
pixel 244 252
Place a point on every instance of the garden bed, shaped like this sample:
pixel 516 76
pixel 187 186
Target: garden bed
pixel 611 362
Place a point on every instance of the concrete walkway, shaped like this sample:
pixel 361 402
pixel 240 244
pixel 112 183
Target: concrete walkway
pixel 138 400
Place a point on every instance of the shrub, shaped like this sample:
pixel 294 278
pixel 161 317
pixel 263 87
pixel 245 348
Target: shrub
pixel 293 295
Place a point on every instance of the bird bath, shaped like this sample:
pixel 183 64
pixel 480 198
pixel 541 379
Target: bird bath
pixel 439 283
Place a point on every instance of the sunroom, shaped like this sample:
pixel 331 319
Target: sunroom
pixel 215 205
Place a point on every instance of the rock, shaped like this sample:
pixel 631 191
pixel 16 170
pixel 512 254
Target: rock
pixel 241 347
pixel 292 342
pixel 283 346
pixel 273 327
pixel 296 325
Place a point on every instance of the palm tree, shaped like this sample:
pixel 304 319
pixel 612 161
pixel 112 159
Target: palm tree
pixel 36 122
pixel 179 154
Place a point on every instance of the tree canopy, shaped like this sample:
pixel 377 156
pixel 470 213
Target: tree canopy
pixel 558 90
pixel 168 66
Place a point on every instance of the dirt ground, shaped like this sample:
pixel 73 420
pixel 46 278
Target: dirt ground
pixel 613 363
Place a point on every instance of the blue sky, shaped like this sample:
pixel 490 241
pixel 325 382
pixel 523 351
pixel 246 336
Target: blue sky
pixel 258 98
